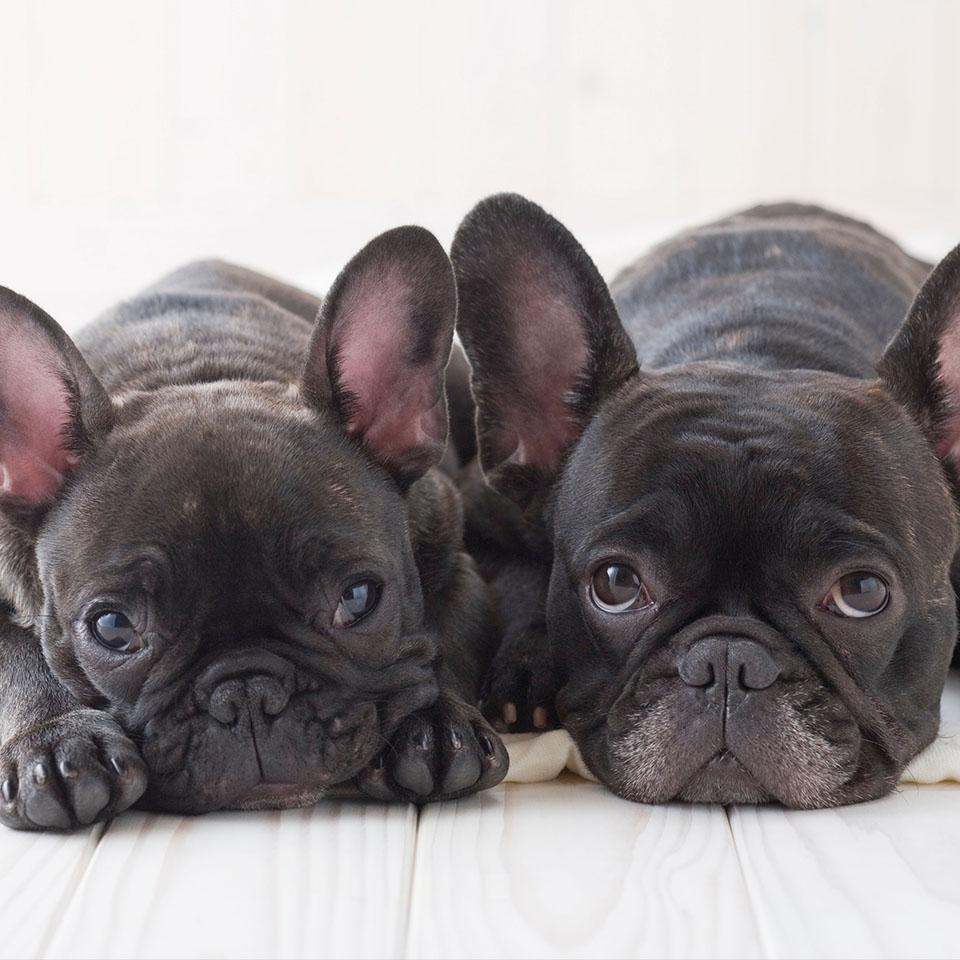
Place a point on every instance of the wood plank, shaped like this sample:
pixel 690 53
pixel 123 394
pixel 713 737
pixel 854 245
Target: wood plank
pixel 331 881
pixel 566 869
pixel 872 880
pixel 38 875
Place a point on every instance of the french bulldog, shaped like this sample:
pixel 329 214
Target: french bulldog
pixel 721 509
pixel 231 573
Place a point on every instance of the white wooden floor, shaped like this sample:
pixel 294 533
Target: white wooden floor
pixel 557 869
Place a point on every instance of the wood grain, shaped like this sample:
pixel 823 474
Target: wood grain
pixel 559 869
pixel 566 869
pixel 39 874
pixel 332 881
pixel 872 880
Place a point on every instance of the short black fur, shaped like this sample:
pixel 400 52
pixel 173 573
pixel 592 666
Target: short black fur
pixel 753 460
pixel 217 489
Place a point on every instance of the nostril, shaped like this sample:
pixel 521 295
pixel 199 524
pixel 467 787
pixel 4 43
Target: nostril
pixel 225 701
pixel 755 668
pixel 697 667
pixel 268 694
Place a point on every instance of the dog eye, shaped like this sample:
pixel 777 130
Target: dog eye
pixel 356 602
pixel 858 594
pixel 115 632
pixel 616 588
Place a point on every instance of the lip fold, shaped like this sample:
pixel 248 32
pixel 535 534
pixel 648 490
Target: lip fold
pixel 348 743
pixel 290 760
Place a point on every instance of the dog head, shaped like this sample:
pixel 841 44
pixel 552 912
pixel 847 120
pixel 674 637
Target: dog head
pixel 226 567
pixel 751 596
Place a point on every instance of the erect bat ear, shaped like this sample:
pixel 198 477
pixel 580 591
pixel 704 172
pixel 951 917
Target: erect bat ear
pixel 921 365
pixel 380 347
pixel 543 336
pixel 52 407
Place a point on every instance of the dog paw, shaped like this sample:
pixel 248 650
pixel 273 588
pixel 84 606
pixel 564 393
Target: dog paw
pixel 443 752
pixel 519 689
pixel 74 770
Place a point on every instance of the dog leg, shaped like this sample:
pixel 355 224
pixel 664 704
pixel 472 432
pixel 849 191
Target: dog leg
pixel 62 765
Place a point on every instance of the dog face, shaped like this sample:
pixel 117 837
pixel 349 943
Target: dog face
pixel 763 596
pixel 226 567
pixel 750 597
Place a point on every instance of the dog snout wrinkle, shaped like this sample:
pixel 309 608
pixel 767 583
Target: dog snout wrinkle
pixel 736 662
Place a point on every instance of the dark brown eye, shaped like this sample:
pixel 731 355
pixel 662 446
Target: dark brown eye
pixel 857 594
pixel 356 602
pixel 617 588
pixel 115 632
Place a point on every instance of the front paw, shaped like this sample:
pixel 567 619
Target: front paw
pixel 519 689
pixel 443 752
pixel 69 772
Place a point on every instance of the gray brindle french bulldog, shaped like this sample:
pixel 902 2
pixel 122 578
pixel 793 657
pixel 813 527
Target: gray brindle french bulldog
pixel 230 575
pixel 725 515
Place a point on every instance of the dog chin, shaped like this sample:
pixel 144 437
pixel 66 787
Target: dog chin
pixel 724 780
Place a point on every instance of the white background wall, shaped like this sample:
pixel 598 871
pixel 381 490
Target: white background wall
pixel 285 133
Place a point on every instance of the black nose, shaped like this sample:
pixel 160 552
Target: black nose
pixel 739 662
pixel 250 681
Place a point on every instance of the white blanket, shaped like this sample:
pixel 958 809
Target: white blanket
pixel 543 756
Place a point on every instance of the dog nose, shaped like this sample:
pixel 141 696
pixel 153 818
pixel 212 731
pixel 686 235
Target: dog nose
pixel 740 662
pixel 253 680
pixel 232 697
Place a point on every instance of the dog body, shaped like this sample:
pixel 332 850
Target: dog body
pixel 740 548
pixel 223 521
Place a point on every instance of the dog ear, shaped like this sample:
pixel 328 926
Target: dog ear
pixel 52 407
pixel 380 347
pixel 543 336
pixel 921 365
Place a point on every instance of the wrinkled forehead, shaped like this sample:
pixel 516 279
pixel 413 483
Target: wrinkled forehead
pixel 230 492
pixel 757 460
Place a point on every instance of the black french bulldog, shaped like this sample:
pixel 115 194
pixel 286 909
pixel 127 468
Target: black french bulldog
pixel 230 575
pixel 740 548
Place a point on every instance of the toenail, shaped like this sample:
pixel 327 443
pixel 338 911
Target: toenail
pixel 67 770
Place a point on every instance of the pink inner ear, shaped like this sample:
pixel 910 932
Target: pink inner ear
pixel 949 360
pixel 551 354
pixel 396 405
pixel 34 415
